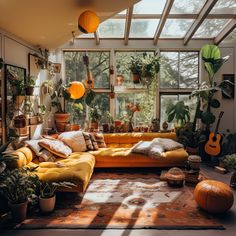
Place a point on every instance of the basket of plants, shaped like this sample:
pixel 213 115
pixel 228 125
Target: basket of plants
pixel 175 177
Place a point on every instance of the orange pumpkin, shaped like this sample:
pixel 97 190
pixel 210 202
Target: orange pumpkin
pixel 88 22
pixel 213 196
pixel 76 90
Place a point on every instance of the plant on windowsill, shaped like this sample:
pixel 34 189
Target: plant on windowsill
pixel 47 198
pixel 95 116
pixel 131 109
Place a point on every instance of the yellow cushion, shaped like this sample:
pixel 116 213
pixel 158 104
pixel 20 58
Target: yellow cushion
pixel 77 168
pixel 107 156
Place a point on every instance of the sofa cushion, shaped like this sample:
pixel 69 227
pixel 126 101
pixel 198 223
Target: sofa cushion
pixel 88 141
pixel 34 146
pixel 75 140
pixel 56 147
pixel 142 147
pixel 100 140
pixel 45 155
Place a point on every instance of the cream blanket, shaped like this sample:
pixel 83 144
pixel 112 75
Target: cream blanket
pixel 156 148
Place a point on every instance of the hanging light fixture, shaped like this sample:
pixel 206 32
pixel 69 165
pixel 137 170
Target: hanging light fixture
pixel 76 90
pixel 88 22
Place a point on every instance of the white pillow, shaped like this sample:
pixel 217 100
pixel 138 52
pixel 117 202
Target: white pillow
pixel 75 140
pixel 167 144
pixel 155 151
pixel 141 147
pixel 34 145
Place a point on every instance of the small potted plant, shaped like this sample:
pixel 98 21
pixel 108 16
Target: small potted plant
pixel 17 186
pixel 95 116
pixel 47 198
pixel 135 66
pixel 29 86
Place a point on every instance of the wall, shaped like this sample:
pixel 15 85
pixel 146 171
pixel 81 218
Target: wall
pixel 228 105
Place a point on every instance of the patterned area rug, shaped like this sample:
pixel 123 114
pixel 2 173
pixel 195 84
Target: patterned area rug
pixel 122 201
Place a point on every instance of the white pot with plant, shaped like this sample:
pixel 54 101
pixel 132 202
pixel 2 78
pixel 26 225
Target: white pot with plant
pixel 18 186
pixel 47 198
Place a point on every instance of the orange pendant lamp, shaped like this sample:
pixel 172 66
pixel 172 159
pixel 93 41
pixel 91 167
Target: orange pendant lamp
pixel 76 90
pixel 88 22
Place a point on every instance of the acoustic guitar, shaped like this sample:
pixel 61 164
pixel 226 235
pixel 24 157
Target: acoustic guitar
pixel 89 82
pixel 213 145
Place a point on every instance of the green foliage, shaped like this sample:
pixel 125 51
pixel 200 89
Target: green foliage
pixel 30 81
pixel 229 144
pixel 95 114
pixel 47 190
pixel 17 185
pixel 229 161
pixel 135 65
pixel 179 112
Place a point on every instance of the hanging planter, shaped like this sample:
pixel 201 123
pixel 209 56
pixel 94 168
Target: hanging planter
pixel 119 80
pixel 136 78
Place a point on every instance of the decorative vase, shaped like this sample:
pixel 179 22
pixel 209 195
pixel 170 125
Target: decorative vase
pixel 130 126
pixel 18 211
pixel 29 90
pixel 47 205
pixel 105 127
pixel 136 78
pixel 119 80
pixel 61 117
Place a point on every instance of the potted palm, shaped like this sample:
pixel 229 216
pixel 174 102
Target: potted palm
pixel 17 186
pixel 47 198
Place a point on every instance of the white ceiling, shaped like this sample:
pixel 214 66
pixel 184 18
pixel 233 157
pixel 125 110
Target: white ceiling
pixel 49 23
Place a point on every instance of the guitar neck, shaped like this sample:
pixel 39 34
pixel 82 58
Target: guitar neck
pixel 218 123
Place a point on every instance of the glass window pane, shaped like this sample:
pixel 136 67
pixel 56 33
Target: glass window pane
pixel 122 12
pixel 187 6
pixel 149 7
pixel 169 72
pixel 176 28
pixel 210 28
pixel 122 60
pixel 143 28
pixel 112 28
pixel 192 103
pixel 224 6
pixel 166 101
pixel 231 37
pixel 146 101
pixel 188 70
pixel 99 63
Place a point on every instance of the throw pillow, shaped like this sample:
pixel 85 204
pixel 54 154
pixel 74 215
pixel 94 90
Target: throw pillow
pixel 141 147
pixel 46 156
pixel 75 140
pixel 167 144
pixel 155 151
pixel 56 147
pixel 34 146
pixel 88 141
pixel 94 142
pixel 100 140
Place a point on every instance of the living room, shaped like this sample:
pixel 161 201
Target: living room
pixel 119 116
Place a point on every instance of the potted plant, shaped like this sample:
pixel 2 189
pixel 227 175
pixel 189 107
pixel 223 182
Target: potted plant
pixel 47 198
pixel 95 116
pixel 135 66
pixel 29 86
pixel 150 68
pixel 178 112
pixel 17 186
pixel 61 117
pixel 108 122
pixel 76 110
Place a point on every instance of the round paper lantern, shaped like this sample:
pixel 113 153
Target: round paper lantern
pixel 88 22
pixel 76 90
pixel 213 196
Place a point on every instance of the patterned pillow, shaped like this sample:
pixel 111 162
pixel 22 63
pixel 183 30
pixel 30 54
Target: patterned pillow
pixel 100 140
pixel 94 142
pixel 34 146
pixel 75 140
pixel 56 147
pixel 88 141
pixel 46 156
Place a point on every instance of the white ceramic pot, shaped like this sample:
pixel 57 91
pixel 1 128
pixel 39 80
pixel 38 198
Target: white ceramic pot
pixel 47 205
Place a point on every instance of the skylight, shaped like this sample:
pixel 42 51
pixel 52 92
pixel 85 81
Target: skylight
pixel 112 28
pixel 149 7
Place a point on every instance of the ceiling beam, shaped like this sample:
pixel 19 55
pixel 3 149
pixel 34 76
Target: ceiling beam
pixel 128 23
pixel 97 38
pixel 225 32
pixel 162 21
pixel 201 17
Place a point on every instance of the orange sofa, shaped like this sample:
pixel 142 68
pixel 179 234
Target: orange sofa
pixel 78 167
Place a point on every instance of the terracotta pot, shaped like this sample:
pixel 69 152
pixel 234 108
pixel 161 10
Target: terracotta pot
pixel 29 90
pixel 61 126
pixel 18 211
pixel 117 123
pixel 136 78
pixel 61 117
pixel 112 95
pixel 47 205
pixel 72 127
pixel 20 121
pixel 94 125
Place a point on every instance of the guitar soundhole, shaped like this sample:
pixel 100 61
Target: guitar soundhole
pixel 214 139
pixel 90 82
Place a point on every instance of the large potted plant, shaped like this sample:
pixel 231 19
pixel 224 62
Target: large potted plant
pixel 47 198
pixel 17 186
pixel 135 66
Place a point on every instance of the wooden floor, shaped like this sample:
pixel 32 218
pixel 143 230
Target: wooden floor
pixel 228 220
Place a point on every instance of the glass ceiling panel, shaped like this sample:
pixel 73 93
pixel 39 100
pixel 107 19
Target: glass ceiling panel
pixel 231 37
pixel 224 6
pixel 176 28
pixel 122 12
pixel 143 28
pixel 149 7
pixel 112 28
pixel 210 28
pixel 187 6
